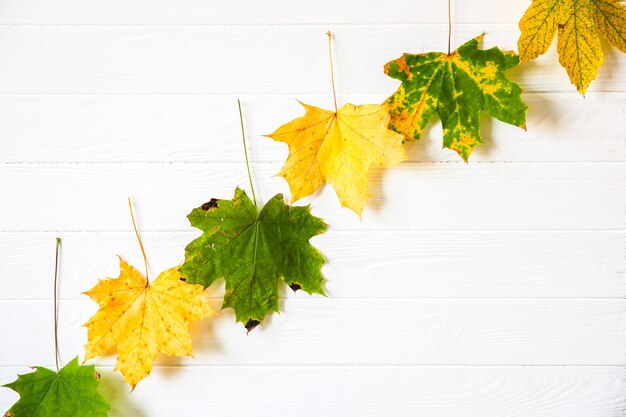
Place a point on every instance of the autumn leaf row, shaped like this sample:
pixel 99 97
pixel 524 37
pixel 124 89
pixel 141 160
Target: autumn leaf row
pixel 255 250
pixel 338 147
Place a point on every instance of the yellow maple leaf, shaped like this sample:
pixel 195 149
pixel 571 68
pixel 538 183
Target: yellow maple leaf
pixel 338 148
pixel 579 24
pixel 141 319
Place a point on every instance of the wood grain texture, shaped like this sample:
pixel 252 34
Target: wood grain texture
pixel 190 128
pixel 250 12
pixel 244 60
pixel 365 391
pixel 317 331
pixel 373 265
pixel 423 196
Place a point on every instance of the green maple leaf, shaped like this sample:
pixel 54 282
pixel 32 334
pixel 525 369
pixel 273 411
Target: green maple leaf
pixel 72 392
pixel 253 251
pixel 456 87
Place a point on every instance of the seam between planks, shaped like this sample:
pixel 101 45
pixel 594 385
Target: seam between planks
pixel 267 94
pixel 417 231
pixel 335 231
pixel 353 366
pixel 279 161
pixel 256 25
pixel 367 299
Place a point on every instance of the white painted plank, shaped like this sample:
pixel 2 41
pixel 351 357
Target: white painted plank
pixel 253 12
pixel 373 265
pixel 246 60
pixel 363 391
pixel 561 127
pixel 480 265
pixel 317 331
pixel 423 196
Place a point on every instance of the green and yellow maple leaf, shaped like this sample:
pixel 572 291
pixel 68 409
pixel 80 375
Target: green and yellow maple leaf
pixel 579 24
pixel 254 251
pixel 456 87
pixel 71 392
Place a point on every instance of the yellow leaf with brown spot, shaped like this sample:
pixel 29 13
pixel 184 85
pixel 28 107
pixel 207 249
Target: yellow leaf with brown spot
pixel 579 24
pixel 338 148
pixel 141 319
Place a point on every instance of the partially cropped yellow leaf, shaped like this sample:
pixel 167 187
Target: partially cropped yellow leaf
pixel 142 320
pixel 338 148
pixel 579 24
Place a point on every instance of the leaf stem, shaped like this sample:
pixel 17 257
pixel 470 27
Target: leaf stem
pixel 449 27
pixel 332 71
pixel 56 310
pixel 245 150
pixel 143 251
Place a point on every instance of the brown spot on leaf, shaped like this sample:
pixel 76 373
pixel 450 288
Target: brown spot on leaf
pixel 183 279
pixel 97 376
pixel 251 324
pixel 8 414
pixel 295 286
pixel 213 203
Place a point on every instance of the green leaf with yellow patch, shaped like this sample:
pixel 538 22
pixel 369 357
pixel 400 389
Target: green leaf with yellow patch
pixel 254 251
pixel 456 87
pixel 71 392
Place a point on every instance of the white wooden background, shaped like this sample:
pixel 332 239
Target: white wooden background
pixel 492 289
